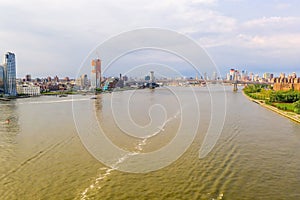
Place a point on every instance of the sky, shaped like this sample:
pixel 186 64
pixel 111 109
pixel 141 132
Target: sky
pixel 55 37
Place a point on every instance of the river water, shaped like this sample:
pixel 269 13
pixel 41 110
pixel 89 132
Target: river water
pixel 42 156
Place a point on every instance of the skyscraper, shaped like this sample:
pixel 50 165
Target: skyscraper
pixel 2 79
pixel 82 81
pixel 152 77
pixel 214 76
pixel 96 73
pixel 10 74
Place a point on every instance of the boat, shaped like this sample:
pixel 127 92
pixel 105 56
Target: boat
pixel 63 95
pixel 203 84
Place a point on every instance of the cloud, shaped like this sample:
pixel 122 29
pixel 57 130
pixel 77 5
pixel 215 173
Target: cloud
pixel 53 36
pixel 283 41
pixel 284 23
pixel 271 32
pixel 283 6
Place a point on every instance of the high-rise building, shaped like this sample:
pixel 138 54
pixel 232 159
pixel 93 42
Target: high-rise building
pixel 231 74
pixel 10 74
pixel 251 76
pixel 147 78
pixel 244 75
pixel 228 77
pixel 214 76
pixel 49 79
pixel 256 78
pixel 267 76
pixel 152 76
pixel 2 79
pixel 28 78
pixel 205 76
pixel 82 81
pixel 96 74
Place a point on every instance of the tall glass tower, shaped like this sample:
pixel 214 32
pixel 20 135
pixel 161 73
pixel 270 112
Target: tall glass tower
pixel 2 80
pixel 10 74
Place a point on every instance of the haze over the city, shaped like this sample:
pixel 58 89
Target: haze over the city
pixel 54 37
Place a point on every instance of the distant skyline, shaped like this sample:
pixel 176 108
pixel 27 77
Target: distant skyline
pixel 54 37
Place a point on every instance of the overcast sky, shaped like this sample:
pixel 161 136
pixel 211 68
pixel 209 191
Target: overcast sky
pixel 54 37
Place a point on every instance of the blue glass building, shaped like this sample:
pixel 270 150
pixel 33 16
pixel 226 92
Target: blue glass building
pixel 2 80
pixel 10 74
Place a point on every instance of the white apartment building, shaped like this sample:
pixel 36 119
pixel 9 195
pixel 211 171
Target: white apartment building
pixel 30 90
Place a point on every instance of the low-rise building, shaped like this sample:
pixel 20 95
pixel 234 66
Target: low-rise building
pixel 30 90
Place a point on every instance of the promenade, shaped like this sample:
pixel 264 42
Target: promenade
pixel 291 115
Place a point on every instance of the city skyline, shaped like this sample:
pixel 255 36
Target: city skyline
pixel 262 36
pixel 210 76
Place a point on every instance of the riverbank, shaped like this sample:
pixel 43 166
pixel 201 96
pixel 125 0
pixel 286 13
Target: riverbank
pixel 291 115
pixel 4 99
pixel 66 93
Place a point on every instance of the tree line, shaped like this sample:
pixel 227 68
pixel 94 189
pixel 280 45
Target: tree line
pixel 266 93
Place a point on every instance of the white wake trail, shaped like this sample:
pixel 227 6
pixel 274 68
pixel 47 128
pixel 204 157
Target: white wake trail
pixel 138 147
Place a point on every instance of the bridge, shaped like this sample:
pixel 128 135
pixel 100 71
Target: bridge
pixel 234 83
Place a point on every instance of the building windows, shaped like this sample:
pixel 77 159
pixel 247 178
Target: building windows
pixel 10 74
pixel 2 80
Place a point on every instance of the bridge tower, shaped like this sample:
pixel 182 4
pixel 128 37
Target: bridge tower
pixel 235 88
pixel 235 82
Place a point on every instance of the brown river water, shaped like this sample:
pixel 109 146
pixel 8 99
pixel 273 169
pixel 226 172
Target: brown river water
pixel 42 156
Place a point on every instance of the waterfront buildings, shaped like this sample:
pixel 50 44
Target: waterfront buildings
pixel 28 89
pixel 110 83
pixel 235 74
pixel 286 83
pixel 283 82
pixel 243 75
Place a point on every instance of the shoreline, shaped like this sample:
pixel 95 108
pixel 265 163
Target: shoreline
pixel 57 94
pixel 290 115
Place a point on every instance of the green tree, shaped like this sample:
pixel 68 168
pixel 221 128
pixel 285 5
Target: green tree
pixel 297 107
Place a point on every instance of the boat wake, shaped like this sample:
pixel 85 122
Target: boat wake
pixel 54 101
pixel 102 176
pixel 45 102
pixel 138 148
